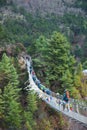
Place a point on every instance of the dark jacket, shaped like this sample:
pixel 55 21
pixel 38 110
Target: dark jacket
pixel 65 97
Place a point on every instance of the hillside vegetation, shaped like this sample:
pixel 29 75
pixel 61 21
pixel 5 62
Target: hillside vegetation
pixel 54 33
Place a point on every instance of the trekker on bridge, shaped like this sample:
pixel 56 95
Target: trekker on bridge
pixel 66 100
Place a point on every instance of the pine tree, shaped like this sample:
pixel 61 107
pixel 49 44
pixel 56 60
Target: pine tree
pixel 32 103
pixel 10 106
pixel 60 57
pixel 42 48
pixel 29 111
pixel 67 79
pixel 1 106
pixel 80 81
pixel 56 57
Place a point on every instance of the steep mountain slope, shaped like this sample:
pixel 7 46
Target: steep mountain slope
pixel 31 18
pixel 44 7
pixel 23 21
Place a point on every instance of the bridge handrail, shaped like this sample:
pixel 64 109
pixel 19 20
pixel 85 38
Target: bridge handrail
pixel 81 104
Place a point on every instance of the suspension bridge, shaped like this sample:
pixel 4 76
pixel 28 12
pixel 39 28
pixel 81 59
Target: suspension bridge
pixel 52 103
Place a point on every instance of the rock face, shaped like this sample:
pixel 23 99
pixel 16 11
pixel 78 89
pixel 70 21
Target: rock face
pixel 44 7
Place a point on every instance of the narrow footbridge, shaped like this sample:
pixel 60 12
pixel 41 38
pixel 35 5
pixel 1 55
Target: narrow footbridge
pixel 52 103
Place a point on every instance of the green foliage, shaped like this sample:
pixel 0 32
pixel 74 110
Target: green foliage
pixel 3 35
pixel 75 93
pixel 44 125
pixel 1 106
pixel 80 82
pixel 85 65
pixel 55 56
pixel 81 52
pixel 12 109
pixel 28 120
pixel 8 72
pixel 31 107
pixel 77 76
pixel 67 79
pixel 41 49
pixel 59 65
pixel 84 49
pixel 3 2
pixel 10 106
pixel 53 59
pixel 77 81
pixel 78 51
pixel 82 4
pixel 76 23
pixel 32 104
pixel 29 28
pixel 61 121
pixel 79 69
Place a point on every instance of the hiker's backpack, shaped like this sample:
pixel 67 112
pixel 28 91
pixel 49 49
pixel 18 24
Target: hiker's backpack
pixel 67 94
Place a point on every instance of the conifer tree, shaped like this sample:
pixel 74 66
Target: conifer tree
pixel 1 106
pixel 60 57
pixel 41 50
pixel 32 103
pixel 55 54
pixel 67 79
pixel 29 111
pixel 80 81
pixel 10 106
